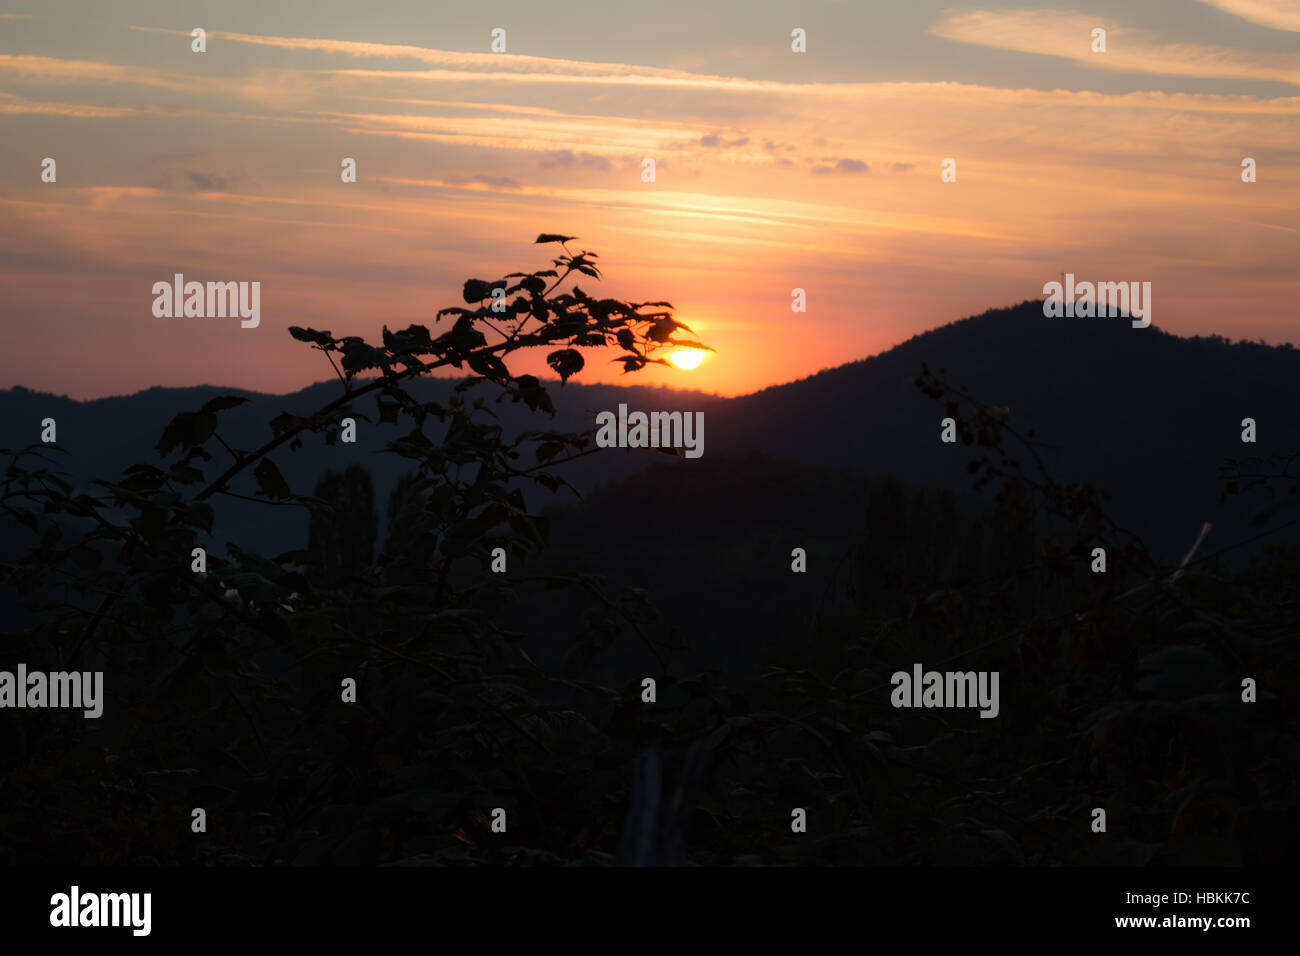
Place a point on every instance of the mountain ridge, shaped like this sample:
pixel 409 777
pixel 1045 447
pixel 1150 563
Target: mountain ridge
pixel 1143 412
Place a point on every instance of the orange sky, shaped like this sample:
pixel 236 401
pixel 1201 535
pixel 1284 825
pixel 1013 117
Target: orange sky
pixel 775 170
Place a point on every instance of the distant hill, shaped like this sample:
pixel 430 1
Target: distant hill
pixel 1146 414
pixel 104 436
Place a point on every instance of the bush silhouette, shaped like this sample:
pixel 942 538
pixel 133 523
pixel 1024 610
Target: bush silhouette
pixel 224 683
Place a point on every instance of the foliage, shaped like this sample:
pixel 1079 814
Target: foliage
pixel 1119 690
pixel 224 684
pixel 344 525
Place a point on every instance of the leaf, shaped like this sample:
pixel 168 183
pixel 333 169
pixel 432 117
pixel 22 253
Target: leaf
pixel 476 290
pixel 488 365
pixel 311 335
pixel 626 339
pixel 221 403
pixel 185 474
pixel 143 478
pixel 533 394
pixel 534 285
pixel 464 336
pixel 565 362
pixel 552 237
pixel 284 422
pixel 548 450
pixel 662 330
pixel 270 481
pixel 418 336
pixel 688 344
pixel 358 357
pixel 187 429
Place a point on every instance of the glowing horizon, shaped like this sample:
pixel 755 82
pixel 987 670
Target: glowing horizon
pixel 775 171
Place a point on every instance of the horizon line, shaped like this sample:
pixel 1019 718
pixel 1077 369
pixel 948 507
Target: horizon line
pixel 1283 345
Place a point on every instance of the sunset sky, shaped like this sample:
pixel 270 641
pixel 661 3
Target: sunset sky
pixel 775 170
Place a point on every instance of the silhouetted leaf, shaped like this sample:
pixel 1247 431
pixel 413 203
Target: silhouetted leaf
pixel 311 335
pixel 269 479
pixel 565 362
pixel 487 364
pixel 187 429
pixel 358 357
pixel 285 421
pixel 476 290
pixel 221 403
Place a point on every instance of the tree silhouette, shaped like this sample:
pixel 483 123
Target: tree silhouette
pixel 880 565
pixel 341 536
pixel 207 644
pixel 403 555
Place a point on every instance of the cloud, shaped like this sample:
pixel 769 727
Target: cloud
pixel 714 141
pixel 476 65
pixel 50 69
pixel 1067 34
pixel 902 167
pixel 843 166
pixel 481 179
pixel 209 182
pixel 455 66
pixel 1278 14
pixel 567 157
pixel 14 105
pixel 558 157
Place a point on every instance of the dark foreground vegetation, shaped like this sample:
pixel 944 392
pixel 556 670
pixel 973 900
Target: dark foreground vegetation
pixel 523 690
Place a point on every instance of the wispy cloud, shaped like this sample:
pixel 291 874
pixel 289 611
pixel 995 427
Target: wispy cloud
pixel 16 105
pixel 714 141
pixel 482 179
pixel 212 181
pixel 456 66
pixel 47 69
pixel 566 158
pixel 1278 14
pixel 1067 34
pixel 843 166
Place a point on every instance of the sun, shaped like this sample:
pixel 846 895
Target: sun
pixel 687 358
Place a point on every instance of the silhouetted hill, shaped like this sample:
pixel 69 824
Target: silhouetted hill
pixel 104 436
pixel 1146 414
